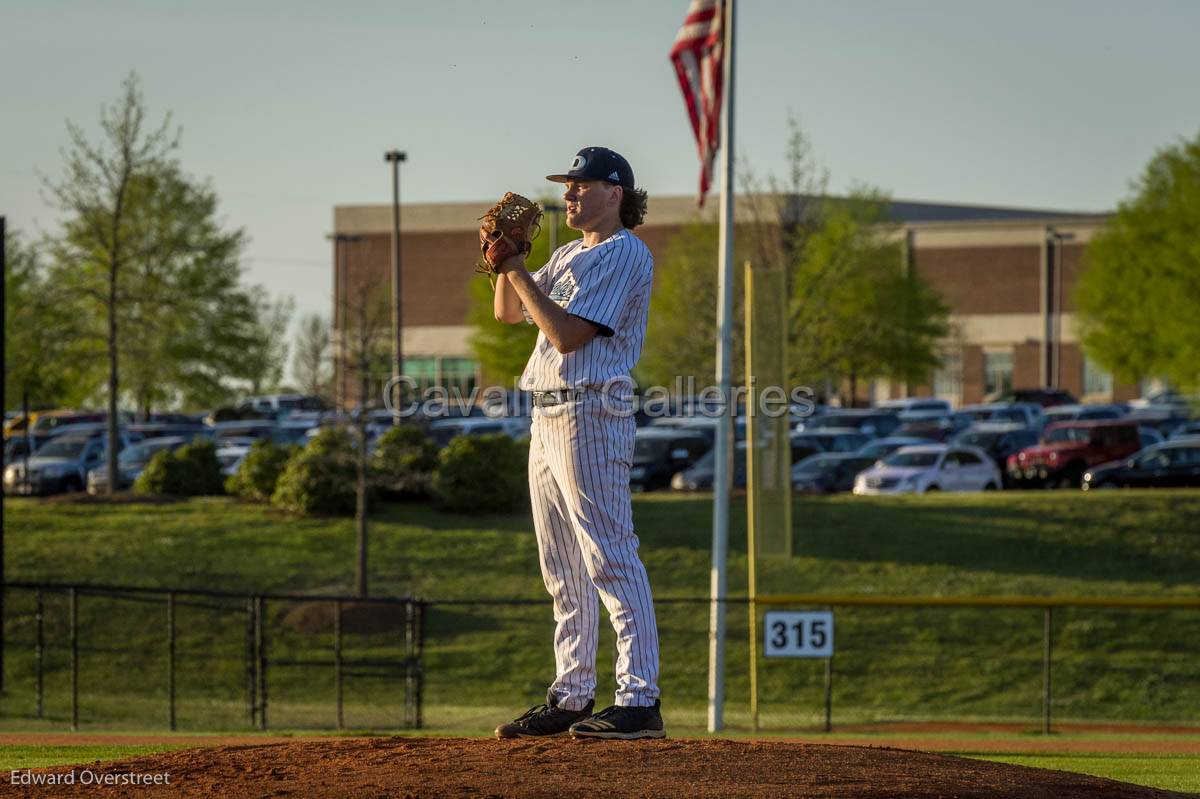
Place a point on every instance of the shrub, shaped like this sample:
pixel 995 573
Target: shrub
pixel 482 473
pixel 321 477
pixel 404 461
pixel 259 471
pixel 192 470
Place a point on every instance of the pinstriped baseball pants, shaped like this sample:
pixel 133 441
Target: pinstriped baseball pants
pixel 579 460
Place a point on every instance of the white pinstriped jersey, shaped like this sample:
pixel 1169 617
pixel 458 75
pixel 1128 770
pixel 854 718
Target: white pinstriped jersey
pixel 608 285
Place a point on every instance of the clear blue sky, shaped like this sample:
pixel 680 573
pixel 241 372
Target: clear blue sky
pixel 288 106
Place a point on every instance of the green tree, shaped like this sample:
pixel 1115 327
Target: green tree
pixel 311 358
pixel 856 311
pixel 153 275
pixel 681 330
pixel 1140 287
pixel 100 234
pixel 776 215
pixel 264 361
pixel 45 356
pixel 191 333
pixel 502 349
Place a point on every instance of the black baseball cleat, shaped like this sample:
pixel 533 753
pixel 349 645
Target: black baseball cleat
pixel 622 722
pixel 544 720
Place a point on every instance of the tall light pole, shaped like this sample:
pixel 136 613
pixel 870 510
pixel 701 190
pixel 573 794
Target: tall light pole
pixel 343 306
pixel 1054 242
pixel 341 285
pixel 554 209
pixel 395 158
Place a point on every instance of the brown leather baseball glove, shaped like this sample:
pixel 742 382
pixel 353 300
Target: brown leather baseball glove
pixel 507 230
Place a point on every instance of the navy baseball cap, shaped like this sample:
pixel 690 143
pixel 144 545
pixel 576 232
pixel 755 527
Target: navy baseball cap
pixel 598 163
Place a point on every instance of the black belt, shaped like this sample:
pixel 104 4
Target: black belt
pixel 541 399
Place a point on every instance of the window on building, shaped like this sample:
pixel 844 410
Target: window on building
pixel 997 373
pixel 1095 379
pixel 947 380
pixel 459 373
pixel 449 374
pixel 422 371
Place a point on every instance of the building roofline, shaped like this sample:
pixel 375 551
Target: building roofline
pixel 675 210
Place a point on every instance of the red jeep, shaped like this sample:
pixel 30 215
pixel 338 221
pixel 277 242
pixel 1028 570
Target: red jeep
pixel 1068 449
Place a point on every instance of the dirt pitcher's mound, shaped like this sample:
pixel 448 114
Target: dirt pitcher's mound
pixel 453 767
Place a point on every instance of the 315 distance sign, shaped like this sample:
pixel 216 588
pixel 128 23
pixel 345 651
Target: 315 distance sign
pixel 795 634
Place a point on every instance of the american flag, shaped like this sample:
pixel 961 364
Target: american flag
pixel 696 55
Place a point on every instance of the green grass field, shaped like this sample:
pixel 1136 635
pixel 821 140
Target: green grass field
pixel 484 663
pixel 1170 772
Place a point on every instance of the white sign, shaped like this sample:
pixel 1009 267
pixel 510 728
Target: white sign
pixel 793 634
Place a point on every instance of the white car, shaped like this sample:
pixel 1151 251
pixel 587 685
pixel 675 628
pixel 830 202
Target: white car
pixel 443 430
pixel 231 458
pixel 914 404
pixel 930 467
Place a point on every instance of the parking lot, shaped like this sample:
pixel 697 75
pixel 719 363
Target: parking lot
pixel 900 446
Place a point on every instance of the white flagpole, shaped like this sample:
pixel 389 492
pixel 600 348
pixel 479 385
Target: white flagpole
pixel 722 477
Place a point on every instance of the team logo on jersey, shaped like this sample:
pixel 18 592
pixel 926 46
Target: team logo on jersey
pixel 563 290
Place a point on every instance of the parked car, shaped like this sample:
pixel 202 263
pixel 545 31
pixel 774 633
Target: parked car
pixel 292 432
pixel 1173 464
pixel 699 476
pixel 169 418
pixel 933 424
pixel 239 414
pixel 661 452
pixel 930 467
pixel 1165 419
pixel 1168 398
pixel 60 465
pixel 874 423
pixel 997 439
pixel 1045 397
pixel 142 431
pixel 929 432
pixel 131 462
pixel 1082 413
pixel 880 448
pixel 245 428
pixel 913 404
pixel 18 422
pixel 231 456
pixel 1068 449
pixel 828 472
pixel 831 439
pixel 706 425
pixel 16 448
pixel 48 422
pixel 1187 430
pixel 1150 436
pixel 1025 414
pixel 442 431
pixel 279 406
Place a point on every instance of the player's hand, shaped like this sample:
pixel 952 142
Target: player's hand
pixel 510 263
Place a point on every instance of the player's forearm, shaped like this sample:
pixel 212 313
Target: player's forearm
pixel 567 333
pixel 507 305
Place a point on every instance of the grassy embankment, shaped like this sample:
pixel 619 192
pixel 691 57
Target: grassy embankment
pixel 483 663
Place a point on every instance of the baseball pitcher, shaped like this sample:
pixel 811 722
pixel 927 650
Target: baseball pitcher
pixel 590 303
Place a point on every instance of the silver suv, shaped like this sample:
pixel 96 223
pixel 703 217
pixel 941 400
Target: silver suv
pixel 60 465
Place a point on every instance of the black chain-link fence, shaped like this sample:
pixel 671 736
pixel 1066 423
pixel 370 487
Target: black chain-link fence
pixel 205 660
